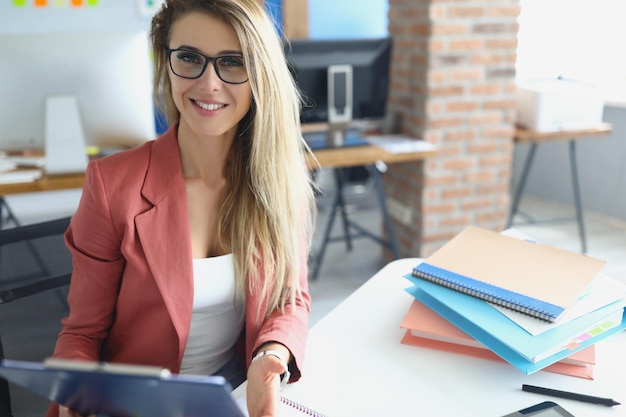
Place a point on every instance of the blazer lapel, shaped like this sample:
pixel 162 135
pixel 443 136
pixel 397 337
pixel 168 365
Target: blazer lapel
pixel 164 233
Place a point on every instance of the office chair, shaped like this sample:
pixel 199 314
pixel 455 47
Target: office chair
pixel 35 271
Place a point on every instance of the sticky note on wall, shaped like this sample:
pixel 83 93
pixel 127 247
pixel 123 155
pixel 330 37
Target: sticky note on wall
pixel 55 3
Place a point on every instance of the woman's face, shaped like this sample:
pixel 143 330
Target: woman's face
pixel 208 106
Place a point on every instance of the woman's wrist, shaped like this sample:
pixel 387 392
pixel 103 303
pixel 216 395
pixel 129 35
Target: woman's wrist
pixel 281 350
pixel 278 352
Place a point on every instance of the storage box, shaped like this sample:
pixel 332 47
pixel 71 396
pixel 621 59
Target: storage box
pixel 558 104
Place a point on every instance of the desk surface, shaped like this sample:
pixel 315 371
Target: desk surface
pixel 524 135
pixel 46 183
pixel 362 155
pixel 332 157
pixel 356 366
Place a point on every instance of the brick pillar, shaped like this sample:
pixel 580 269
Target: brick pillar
pixel 452 84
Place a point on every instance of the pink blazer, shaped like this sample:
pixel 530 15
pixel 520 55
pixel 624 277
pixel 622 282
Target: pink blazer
pixel 131 292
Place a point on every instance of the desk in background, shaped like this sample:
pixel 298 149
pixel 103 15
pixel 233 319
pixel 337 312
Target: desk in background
pixel 45 183
pixel 534 139
pixel 335 158
pixel 356 366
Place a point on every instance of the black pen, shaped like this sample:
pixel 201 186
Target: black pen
pixel 570 395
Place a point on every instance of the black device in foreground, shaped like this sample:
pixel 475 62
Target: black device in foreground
pixel 544 409
pixel 123 390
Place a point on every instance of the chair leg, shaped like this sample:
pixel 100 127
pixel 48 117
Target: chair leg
pixel 10 216
pixel 5 397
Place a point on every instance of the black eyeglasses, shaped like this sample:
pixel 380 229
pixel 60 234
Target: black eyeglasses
pixel 191 65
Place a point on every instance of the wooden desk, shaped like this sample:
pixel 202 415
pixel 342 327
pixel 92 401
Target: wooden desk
pixel 355 365
pixel 530 136
pixel 362 155
pixel 335 157
pixel 46 183
pixel 534 138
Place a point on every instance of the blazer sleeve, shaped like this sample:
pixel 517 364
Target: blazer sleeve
pixel 97 268
pixel 289 327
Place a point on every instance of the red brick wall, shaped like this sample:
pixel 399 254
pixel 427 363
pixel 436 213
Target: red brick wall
pixel 452 84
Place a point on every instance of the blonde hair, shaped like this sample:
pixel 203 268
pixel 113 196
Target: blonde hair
pixel 268 214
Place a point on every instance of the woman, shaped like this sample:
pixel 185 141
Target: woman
pixel 190 251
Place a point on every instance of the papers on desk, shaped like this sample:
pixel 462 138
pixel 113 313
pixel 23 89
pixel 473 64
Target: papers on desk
pixel 19 176
pixel 27 161
pixel 7 165
pixel 399 143
pixel 10 172
pixel 602 291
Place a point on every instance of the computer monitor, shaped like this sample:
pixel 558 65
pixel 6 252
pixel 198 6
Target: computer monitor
pixel 369 59
pixel 109 74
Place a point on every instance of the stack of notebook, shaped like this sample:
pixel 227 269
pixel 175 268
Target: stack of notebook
pixel 502 297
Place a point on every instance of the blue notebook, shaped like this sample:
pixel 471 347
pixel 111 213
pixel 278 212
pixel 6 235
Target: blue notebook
pixel 504 337
pixel 121 390
pixel 528 277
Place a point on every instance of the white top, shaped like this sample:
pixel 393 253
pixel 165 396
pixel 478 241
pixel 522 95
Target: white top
pixel 215 322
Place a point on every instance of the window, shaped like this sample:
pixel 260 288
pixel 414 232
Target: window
pixel 578 39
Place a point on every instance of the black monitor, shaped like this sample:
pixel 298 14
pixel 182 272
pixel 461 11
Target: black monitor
pixel 369 59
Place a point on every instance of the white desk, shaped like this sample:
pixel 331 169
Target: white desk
pixel 356 366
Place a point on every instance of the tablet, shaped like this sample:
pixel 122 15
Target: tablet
pixel 544 409
pixel 123 390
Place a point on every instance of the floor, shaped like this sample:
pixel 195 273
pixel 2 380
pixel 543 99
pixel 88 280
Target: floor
pixel 343 271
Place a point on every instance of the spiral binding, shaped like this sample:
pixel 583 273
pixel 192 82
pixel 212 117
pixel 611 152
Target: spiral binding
pixel 487 296
pixel 302 408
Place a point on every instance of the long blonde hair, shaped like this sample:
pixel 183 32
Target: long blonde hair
pixel 268 214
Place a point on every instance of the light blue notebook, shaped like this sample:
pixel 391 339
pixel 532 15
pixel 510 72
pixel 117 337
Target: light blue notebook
pixel 504 337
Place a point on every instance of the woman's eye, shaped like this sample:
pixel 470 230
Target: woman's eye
pixel 231 61
pixel 189 58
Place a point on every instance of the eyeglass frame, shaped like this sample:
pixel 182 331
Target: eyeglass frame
pixel 208 59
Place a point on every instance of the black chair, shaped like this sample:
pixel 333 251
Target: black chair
pixel 35 271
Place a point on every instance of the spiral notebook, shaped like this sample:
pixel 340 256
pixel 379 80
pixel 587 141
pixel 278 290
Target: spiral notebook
pixel 288 408
pixel 525 276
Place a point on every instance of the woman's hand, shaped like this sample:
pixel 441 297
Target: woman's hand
pixel 263 389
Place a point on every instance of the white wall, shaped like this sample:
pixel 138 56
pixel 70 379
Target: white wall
pixel 107 15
